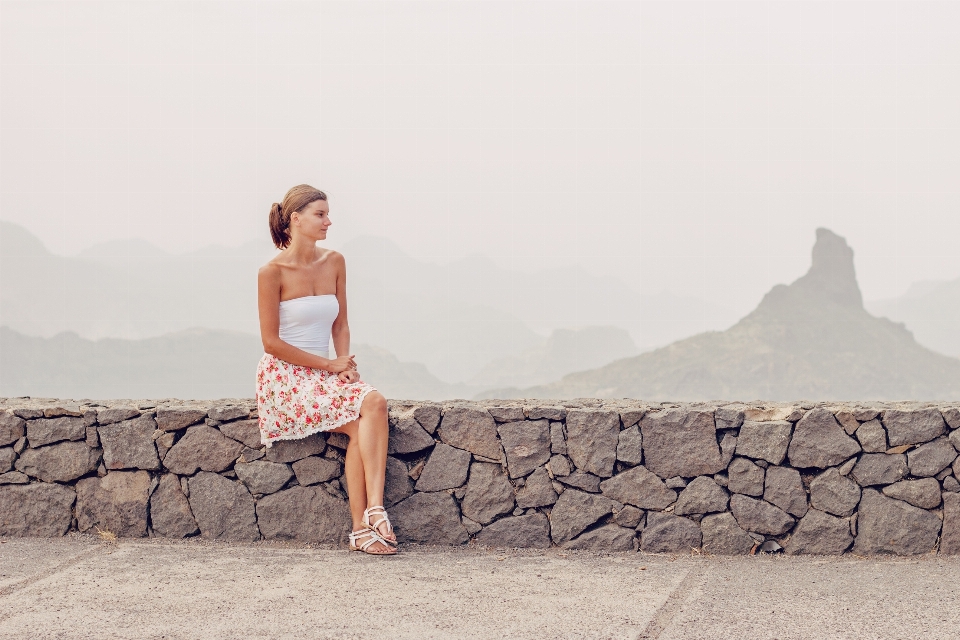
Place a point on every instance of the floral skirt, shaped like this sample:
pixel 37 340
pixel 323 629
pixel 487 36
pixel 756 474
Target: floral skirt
pixel 295 401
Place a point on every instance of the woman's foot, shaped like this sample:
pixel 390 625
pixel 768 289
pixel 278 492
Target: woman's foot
pixel 369 541
pixel 376 518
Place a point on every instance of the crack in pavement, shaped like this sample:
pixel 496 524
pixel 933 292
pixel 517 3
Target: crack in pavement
pixel 664 615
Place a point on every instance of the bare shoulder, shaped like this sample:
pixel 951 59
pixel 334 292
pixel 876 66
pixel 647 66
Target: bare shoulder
pixel 269 272
pixel 334 258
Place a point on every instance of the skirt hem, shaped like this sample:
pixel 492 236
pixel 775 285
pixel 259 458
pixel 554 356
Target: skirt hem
pixel 268 442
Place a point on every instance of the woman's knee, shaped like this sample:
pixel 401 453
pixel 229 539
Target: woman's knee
pixel 375 402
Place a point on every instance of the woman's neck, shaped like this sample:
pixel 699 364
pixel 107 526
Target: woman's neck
pixel 302 250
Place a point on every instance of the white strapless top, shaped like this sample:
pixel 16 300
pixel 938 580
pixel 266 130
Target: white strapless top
pixel 305 322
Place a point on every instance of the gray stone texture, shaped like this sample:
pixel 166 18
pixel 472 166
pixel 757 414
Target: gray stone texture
pixel 951 415
pixel 592 438
pixel 61 462
pixel 227 412
pixel 428 416
pixel 527 531
pixel 847 420
pixel 723 536
pixel 12 428
pixel 116 503
pixel 304 514
pixel 526 445
pixel 679 442
pixel 630 417
pixel 472 430
pixel 41 509
pixel 783 488
pixel 819 441
pixel 536 412
pixel 406 435
pixel 429 518
pixel 298 449
pixel 819 534
pixel 581 480
pixel 316 469
pixel 558 438
pixel 204 448
pixel 224 509
pixel 702 495
pixel 912 426
pixel 397 485
pixel 880 468
pixel 129 444
pixel 629 516
pixel 639 487
pixel 489 493
pixel 47 430
pixel 872 437
pixel 888 526
pixel 116 414
pixel 245 431
pixel 7 458
pixel 537 491
pixel 764 440
pixel 176 418
pixel 446 468
pixel 170 514
pixel 729 417
pixel 630 445
pixel 609 538
pixel 14 477
pixel 923 493
pixel 667 533
pixel 745 477
pixel 950 535
pixel 759 516
pixel 835 494
pixel 931 458
pixel 575 511
pixel 263 477
pixel 560 465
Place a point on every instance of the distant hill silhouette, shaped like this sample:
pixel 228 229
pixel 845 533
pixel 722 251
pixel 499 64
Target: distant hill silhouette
pixel 812 339
pixel 932 312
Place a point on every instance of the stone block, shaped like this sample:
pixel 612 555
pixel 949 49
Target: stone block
pixel 872 437
pixel 679 442
pixel 950 536
pixel 847 420
pixel 170 514
pixel 515 532
pixel 397 485
pixel 264 478
pixel 446 468
pixel 630 446
pixel 951 415
pixel 116 414
pixel 888 526
pixel 639 487
pixel 923 493
pixel 12 428
pixel 226 413
pixel 7 458
pixel 204 448
pixel 931 458
pixel 314 470
pixel 729 416
pixel 723 536
pixel 759 516
pixel 538 491
pixel 592 438
pixel 37 510
pixel 819 441
pixel 764 440
pixel 489 493
pixel 472 430
pixel 745 477
pixel 304 514
pixel 702 495
pixel 630 417
pixel 629 516
pixel 224 509
pixel 428 415
pixel 544 412
pixel 835 494
pixel 783 488
pixel 406 435
pixel 298 449
pixel 575 511
pixel 880 468
pixel 116 502
pixel 176 418
pixel 526 445
pixel 14 477
pixel 581 480
pixel 667 533
pixel 560 466
pixel 610 538
pixel 819 534
pixel 130 444
pixel 912 426
pixel 47 431
pixel 429 518
pixel 245 431
pixel 61 462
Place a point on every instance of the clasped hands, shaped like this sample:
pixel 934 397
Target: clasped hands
pixel 346 369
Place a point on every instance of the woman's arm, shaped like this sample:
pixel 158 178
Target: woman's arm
pixel 340 331
pixel 268 302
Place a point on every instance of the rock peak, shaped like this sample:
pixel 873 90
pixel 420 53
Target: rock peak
pixel 831 273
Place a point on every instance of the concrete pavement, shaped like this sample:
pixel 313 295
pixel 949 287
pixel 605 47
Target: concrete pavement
pixel 81 587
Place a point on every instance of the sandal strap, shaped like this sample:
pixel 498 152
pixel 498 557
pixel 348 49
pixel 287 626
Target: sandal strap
pixel 377 511
pixel 371 535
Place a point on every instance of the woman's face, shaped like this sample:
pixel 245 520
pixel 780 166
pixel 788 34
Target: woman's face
pixel 313 220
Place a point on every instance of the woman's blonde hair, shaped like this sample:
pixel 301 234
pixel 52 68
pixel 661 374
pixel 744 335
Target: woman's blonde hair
pixel 295 200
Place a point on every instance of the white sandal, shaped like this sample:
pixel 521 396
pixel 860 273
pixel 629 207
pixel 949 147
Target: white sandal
pixel 379 511
pixel 371 537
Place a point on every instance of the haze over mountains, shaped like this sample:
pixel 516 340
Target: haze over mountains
pixel 811 339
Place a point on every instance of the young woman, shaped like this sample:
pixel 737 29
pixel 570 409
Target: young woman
pixel 300 389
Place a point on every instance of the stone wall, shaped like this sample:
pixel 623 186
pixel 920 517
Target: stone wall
pixel 587 474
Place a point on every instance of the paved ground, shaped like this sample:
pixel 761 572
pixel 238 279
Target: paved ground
pixel 81 587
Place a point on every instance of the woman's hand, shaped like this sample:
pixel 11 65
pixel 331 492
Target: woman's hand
pixel 349 377
pixel 341 364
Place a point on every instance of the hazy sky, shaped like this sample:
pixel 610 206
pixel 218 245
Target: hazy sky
pixel 687 146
